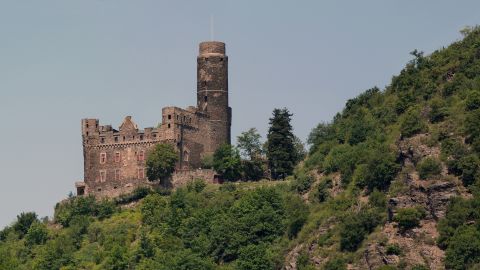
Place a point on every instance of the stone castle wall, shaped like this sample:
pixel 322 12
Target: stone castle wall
pixel 114 160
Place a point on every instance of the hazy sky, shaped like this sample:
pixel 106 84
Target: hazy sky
pixel 61 61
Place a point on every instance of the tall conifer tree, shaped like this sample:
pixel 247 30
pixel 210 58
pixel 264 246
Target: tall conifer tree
pixel 281 152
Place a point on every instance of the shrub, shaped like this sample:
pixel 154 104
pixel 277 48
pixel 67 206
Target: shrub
pixel 322 193
pixel 197 185
pixel 82 206
pixel 356 227
pixel 473 100
pixel 394 249
pixel 23 223
pixel 226 161
pixel 408 218
pixel 252 169
pixel 429 167
pixel 380 171
pixel 137 194
pixel 411 123
pixel 377 199
pixel 37 234
pixel 438 110
pixel 254 257
pixel 302 182
pixel 336 263
pixel 464 248
pixel 207 162
pixel 469 166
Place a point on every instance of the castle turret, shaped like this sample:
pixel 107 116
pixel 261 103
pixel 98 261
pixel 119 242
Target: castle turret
pixel 212 91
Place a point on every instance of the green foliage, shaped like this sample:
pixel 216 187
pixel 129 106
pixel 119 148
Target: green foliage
pixel 254 257
pixel 226 161
pixel 207 162
pixel 23 223
pixel 65 212
pixel 296 214
pixel 379 171
pixel 322 192
pixel 394 249
pixel 37 234
pixel 469 166
pixel 281 153
pixel 356 227
pixel 137 194
pixel 252 169
pixel 197 185
pixel 438 110
pixel 429 167
pixel 249 144
pixel 473 100
pixel 377 199
pixel 412 123
pixel 322 133
pixel 302 181
pixel 336 263
pixel 161 162
pixel 408 218
pixel 463 249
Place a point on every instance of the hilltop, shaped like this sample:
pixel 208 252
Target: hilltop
pixel 392 182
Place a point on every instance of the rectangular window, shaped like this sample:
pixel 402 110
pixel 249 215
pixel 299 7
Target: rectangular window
pixel 169 116
pixel 141 156
pixel 117 174
pixel 116 138
pixel 103 158
pixel 103 176
pixel 117 157
pixel 141 173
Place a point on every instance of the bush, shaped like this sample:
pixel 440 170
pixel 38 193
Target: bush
pixel 254 257
pixel 23 223
pixel 473 100
pixel 337 263
pixel 37 234
pixel 356 227
pixel 377 199
pixel 252 169
pixel 464 248
pixel 137 194
pixel 380 171
pixel 412 123
pixel 302 182
pixel 197 185
pixel 82 206
pixel 429 167
pixel 226 161
pixel 322 193
pixel 408 218
pixel 469 166
pixel 438 110
pixel 207 162
pixel 394 249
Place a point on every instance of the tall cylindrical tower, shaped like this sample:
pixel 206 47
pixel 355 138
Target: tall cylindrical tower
pixel 212 91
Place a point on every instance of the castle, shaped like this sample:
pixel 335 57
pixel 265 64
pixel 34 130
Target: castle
pixel 114 160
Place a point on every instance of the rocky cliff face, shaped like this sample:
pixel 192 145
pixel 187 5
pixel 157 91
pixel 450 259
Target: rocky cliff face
pixel 415 246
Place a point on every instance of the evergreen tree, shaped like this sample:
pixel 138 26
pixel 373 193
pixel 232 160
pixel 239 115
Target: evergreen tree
pixel 281 152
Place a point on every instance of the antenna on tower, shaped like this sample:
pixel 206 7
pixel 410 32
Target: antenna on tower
pixel 211 27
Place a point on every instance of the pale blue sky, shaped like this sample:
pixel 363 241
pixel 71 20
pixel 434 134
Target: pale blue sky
pixel 61 61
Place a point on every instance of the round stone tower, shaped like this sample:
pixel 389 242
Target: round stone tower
pixel 212 91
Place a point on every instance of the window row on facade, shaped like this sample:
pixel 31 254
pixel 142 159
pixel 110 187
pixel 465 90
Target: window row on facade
pixel 116 175
pixel 117 157
pixel 124 138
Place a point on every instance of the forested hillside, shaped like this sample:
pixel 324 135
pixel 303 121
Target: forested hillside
pixel 392 182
